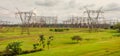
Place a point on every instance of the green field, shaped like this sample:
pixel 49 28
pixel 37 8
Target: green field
pixel 103 43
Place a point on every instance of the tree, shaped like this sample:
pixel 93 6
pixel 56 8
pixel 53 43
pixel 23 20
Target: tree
pixel 35 46
pixel 49 41
pixel 77 38
pixel 117 26
pixel 42 40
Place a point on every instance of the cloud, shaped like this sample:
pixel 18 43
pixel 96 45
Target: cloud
pixel 77 4
pixel 112 7
pixel 89 5
pixel 73 4
pixel 47 3
pixel 58 7
pixel 2 8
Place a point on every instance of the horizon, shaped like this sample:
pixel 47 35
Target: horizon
pixel 61 8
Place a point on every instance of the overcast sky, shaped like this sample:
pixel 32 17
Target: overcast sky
pixel 61 8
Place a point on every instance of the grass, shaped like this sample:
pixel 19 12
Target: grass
pixel 93 49
pixel 102 43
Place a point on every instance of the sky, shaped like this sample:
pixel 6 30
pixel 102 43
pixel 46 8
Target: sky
pixel 60 8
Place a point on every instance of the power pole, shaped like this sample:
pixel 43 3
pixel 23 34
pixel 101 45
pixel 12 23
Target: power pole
pixel 93 16
pixel 26 20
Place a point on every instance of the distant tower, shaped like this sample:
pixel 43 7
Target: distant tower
pixel 26 20
pixel 93 17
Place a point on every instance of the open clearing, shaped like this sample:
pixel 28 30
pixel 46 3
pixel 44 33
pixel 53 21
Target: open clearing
pixel 103 43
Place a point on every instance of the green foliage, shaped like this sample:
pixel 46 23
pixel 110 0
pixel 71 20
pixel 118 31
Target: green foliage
pixel 67 29
pixel 14 48
pixel 51 38
pixel 35 46
pixel 51 30
pixel 77 38
pixel 95 47
pixel 42 40
pixel 117 35
pixel 59 30
pixel 31 51
pixel 49 41
pixel 117 26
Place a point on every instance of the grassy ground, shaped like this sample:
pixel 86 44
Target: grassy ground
pixel 103 43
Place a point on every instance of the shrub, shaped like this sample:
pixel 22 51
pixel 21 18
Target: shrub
pixel 49 41
pixel 51 37
pixel 67 29
pixel 77 38
pixel 116 35
pixel 51 30
pixel 42 40
pixel 31 51
pixel 25 52
pixel 35 46
pixel 87 39
pixel 117 26
pixel 13 48
pixel 59 30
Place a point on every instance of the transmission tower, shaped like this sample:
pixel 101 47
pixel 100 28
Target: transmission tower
pixel 26 20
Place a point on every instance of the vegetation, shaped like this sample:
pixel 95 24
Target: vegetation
pixel 13 48
pixel 77 38
pixel 49 41
pixel 59 30
pixel 42 40
pixel 103 43
pixel 35 46
pixel 117 26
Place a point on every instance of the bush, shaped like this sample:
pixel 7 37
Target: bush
pixel 13 48
pixel 25 52
pixel 49 41
pixel 35 46
pixel 67 29
pixel 116 35
pixel 42 40
pixel 77 38
pixel 117 26
pixel 51 30
pixel 87 39
pixel 59 30
pixel 31 51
